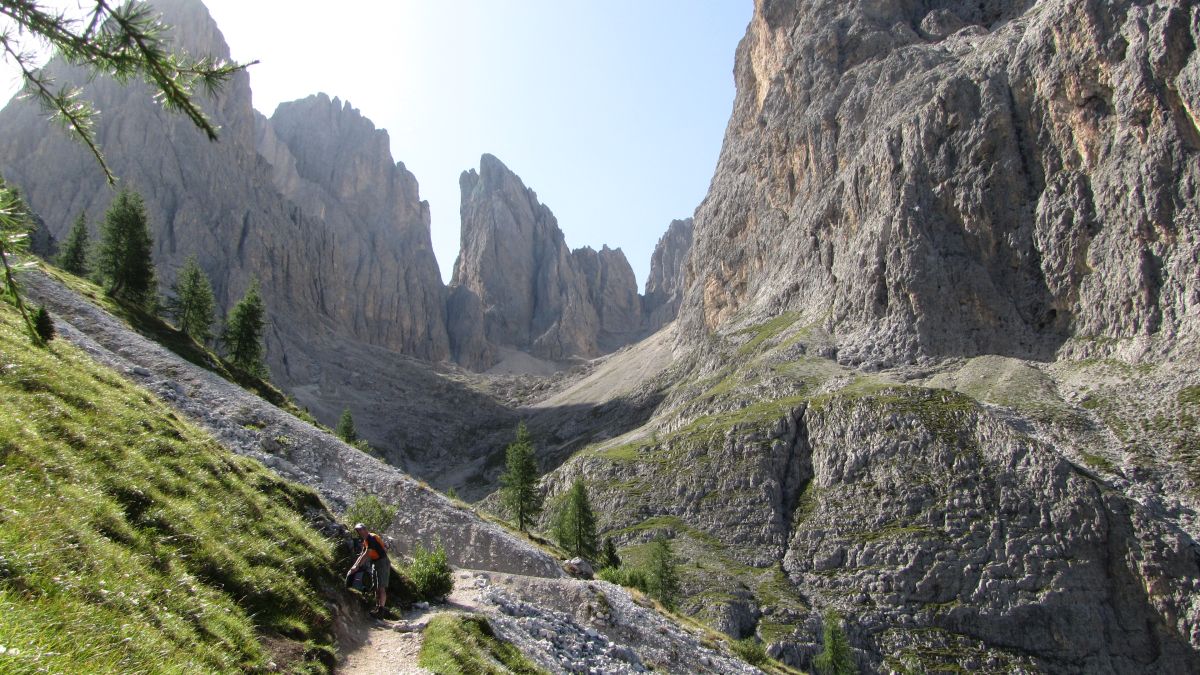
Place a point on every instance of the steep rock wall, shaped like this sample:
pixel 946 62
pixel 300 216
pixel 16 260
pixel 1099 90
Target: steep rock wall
pixel 935 179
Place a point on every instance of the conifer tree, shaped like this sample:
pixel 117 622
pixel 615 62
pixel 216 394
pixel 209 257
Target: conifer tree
pixel 43 324
pixel 74 254
pixel 193 305
pixel 575 523
pixel 664 578
pixel 15 226
pixel 125 250
pixel 609 557
pixel 519 492
pixel 345 427
pixel 835 657
pixel 243 332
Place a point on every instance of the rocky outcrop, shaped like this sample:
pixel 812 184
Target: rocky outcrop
pixel 955 178
pixel 667 281
pixel 612 290
pixel 516 284
pixel 331 161
pixel 951 534
pixel 339 240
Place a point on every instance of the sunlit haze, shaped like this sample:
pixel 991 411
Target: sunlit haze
pixel 613 112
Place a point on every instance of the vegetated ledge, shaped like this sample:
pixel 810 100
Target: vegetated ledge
pixel 129 537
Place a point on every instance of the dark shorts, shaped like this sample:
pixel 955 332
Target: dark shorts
pixel 383 569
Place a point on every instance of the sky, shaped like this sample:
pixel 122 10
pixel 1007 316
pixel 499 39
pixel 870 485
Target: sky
pixel 612 111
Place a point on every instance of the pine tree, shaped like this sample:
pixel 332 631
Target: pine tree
pixel 664 578
pixel 519 492
pixel 345 427
pixel 575 523
pixel 125 250
pixel 244 332
pixel 835 657
pixel 43 324
pixel 74 254
pixel 609 557
pixel 193 305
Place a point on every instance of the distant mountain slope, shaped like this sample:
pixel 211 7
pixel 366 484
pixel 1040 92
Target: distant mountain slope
pixel 340 249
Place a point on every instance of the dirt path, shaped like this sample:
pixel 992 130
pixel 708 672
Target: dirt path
pixel 392 647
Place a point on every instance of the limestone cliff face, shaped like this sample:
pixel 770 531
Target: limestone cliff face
pixel 612 290
pixel 953 178
pixel 515 270
pixel 517 286
pixel 376 222
pixel 667 281
pixel 339 239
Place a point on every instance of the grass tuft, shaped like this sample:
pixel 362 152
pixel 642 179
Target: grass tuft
pixel 458 644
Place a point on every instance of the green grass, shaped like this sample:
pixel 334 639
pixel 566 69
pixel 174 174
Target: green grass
pixel 1098 463
pixel 766 331
pixel 131 542
pixel 458 644
pixel 1190 395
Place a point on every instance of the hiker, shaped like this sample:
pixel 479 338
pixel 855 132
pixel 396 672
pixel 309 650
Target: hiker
pixel 374 552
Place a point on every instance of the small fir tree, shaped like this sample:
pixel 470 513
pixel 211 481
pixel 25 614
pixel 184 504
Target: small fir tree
pixel 835 657
pixel 609 557
pixel 244 332
pixel 74 254
pixel 575 523
pixel 125 250
pixel 345 427
pixel 43 324
pixel 519 492
pixel 193 306
pixel 664 578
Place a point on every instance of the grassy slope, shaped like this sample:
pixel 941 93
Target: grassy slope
pixel 457 644
pixel 131 542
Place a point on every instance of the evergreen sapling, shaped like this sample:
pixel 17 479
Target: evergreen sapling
pixel 519 492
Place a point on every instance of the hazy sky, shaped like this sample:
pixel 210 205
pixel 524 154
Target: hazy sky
pixel 612 111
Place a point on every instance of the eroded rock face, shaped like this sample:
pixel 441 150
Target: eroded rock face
pixel 376 221
pixel 517 286
pixel 612 290
pixel 923 516
pixel 531 292
pixel 667 281
pixel 955 178
pixel 339 239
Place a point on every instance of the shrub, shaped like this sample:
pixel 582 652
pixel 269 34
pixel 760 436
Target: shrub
pixel 751 650
pixel 630 577
pixel 430 573
pixel 371 511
